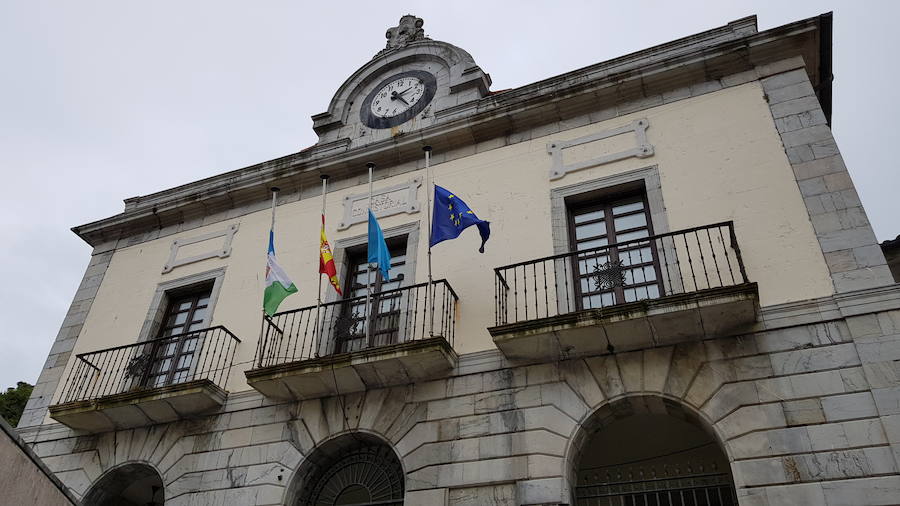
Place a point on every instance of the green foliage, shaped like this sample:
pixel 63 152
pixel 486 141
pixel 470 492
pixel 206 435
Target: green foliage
pixel 12 402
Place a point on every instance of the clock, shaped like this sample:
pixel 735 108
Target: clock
pixel 398 99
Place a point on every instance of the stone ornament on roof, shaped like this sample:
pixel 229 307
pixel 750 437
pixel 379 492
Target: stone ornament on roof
pixel 408 30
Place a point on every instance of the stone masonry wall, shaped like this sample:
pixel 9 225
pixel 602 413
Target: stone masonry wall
pixel 852 253
pixel 806 410
pixel 36 409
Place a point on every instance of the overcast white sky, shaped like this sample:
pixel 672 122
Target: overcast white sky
pixel 103 100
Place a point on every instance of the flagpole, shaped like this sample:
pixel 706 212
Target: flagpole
pixel 318 332
pixel 429 291
pixel 369 319
pixel 262 323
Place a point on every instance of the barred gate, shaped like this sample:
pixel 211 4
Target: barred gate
pixel 692 490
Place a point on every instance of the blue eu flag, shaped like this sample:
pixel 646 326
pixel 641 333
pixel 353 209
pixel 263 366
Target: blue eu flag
pixel 452 216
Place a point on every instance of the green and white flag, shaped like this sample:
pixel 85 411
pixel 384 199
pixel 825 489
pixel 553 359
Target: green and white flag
pixel 278 285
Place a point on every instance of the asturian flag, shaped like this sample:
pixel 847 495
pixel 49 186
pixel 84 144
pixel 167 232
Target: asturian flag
pixel 452 216
pixel 278 285
pixel 378 252
pixel 326 260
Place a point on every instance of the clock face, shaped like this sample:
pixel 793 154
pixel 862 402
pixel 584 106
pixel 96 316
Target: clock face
pixel 398 99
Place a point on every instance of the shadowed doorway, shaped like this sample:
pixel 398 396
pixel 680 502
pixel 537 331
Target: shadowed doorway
pixel 650 452
pixel 128 485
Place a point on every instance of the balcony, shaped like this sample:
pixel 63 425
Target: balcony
pixel 326 350
pixel 156 381
pixel 653 291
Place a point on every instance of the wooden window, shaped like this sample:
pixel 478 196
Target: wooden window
pixel 386 320
pixel 595 224
pixel 175 349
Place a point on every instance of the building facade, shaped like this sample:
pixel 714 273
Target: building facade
pixel 681 302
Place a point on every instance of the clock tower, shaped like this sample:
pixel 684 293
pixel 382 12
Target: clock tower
pixel 413 83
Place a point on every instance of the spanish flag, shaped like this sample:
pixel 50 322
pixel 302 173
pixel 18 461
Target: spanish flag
pixel 326 260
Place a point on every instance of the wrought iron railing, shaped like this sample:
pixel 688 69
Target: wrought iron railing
pixel 682 262
pixel 669 485
pixel 400 315
pixel 197 355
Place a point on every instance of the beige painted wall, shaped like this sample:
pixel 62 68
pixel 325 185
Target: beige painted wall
pixel 719 158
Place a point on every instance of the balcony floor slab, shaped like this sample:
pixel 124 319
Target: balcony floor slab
pixel 664 321
pixel 383 366
pixel 139 408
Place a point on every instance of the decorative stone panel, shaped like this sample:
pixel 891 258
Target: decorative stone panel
pixel 397 199
pixel 223 251
pixel 642 148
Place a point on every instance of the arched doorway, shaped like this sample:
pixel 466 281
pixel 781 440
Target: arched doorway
pixel 355 469
pixel 132 484
pixel 649 451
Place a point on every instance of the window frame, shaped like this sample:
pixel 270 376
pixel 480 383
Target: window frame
pixel 357 257
pixel 562 196
pixel 194 295
pixel 607 201
pixel 165 290
pixel 343 250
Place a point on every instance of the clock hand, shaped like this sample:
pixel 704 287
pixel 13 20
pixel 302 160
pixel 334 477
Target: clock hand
pixel 404 91
pixel 395 95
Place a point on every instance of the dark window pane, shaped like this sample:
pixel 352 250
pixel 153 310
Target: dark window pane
pixel 199 314
pixel 627 208
pixel 636 256
pixel 631 221
pixel 184 361
pixel 630 236
pixel 588 216
pixel 596 243
pixel 590 230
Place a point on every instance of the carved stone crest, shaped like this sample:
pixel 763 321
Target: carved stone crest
pixel 408 30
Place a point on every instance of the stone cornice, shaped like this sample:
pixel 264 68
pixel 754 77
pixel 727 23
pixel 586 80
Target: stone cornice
pixel 710 55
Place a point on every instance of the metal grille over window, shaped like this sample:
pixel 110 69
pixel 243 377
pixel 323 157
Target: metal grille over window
pixel 361 475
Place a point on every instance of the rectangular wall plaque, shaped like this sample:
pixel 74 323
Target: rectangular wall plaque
pixel 643 149
pixel 222 251
pixel 401 198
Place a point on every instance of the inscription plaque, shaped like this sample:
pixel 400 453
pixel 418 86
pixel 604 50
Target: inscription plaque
pixel 397 199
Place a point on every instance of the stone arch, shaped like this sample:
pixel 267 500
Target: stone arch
pixel 629 412
pixel 130 483
pixel 351 467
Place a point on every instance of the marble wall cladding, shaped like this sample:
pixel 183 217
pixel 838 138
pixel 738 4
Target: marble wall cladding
pixel 793 408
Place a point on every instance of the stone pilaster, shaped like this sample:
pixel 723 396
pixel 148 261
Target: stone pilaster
pixel 51 374
pixel 851 251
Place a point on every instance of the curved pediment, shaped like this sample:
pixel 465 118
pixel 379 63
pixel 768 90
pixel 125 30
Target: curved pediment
pixel 451 77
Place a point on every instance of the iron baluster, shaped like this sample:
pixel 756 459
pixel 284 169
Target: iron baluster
pixel 737 252
pixel 515 294
pixel 546 301
pixel 690 261
pixel 727 256
pixel 702 258
pixel 712 249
